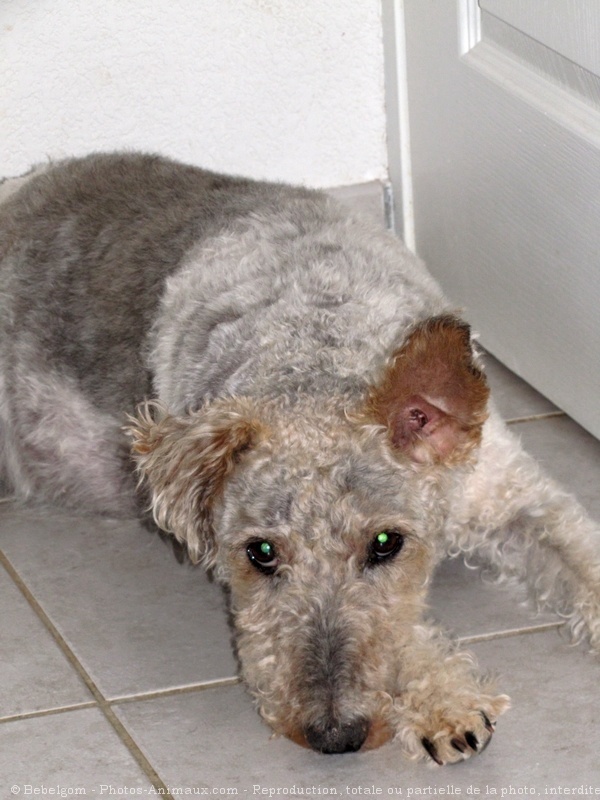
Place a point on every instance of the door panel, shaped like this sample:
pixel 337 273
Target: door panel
pixel 571 28
pixel 505 149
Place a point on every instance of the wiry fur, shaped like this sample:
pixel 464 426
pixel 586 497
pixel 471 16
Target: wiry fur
pixel 306 385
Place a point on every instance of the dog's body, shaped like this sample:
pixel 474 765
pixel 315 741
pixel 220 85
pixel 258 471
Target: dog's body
pixel 322 437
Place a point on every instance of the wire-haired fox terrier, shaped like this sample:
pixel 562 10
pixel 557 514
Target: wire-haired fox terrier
pixel 316 431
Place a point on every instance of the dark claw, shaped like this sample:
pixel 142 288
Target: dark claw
pixel 459 745
pixel 472 740
pixel 431 750
pixel 489 725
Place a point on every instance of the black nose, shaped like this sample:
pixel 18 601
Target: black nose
pixel 338 736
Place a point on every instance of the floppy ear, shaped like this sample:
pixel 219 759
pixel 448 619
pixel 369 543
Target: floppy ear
pixel 185 461
pixel 432 397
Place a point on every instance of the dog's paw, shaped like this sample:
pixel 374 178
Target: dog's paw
pixel 452 729
pixel 458 739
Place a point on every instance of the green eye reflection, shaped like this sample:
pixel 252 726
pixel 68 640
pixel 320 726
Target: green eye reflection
pixel 262 556
pixel 384 546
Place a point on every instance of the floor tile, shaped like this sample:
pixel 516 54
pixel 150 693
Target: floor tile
pixel 34 674
pixel 569 454
pixel 136 618
pixel 215 739
pixel 75 750
pixel 550 738
pixel 467 605
pixel 513 397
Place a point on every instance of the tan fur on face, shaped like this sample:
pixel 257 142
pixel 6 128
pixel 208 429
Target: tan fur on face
pixel 324 581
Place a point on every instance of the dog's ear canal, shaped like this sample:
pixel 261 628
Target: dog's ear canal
pixel 185 462
pixel 432 397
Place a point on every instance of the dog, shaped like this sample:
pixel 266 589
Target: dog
pixel 286 388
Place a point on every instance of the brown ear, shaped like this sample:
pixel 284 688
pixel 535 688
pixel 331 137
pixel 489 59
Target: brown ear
pixel 185 461
pixel 432 397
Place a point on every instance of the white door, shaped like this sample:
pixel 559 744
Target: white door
pixel 504 111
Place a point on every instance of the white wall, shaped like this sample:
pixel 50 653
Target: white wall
pixel 283 89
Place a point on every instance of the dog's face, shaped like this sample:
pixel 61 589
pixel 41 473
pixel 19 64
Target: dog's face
pixel 327 562
pixel 324 525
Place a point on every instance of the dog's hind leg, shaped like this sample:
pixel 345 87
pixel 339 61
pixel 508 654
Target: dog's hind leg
pixel 521 524
pixel 59 448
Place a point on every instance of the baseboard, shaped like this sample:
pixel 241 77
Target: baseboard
pixel 365 198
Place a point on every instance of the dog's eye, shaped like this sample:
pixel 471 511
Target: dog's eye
pixel 262 555
pixel 384 546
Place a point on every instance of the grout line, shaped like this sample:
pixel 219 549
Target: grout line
pixel 119 700
pixel 101 701
pixel 488 637
pixel 536 417
pixel 48 712
pixel 192 688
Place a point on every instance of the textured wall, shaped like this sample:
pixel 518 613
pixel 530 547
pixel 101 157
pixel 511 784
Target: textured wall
pixel 287 89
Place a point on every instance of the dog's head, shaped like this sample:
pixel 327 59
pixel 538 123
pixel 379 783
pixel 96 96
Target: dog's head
pixel 324 522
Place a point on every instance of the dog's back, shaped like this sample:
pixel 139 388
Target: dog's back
pixel 85 247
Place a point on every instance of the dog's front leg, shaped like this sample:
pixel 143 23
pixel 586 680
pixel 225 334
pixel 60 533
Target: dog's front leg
pixel 511 518
pixel 444 707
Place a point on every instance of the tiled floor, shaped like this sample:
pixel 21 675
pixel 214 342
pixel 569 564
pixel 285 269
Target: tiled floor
pixel 116 672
